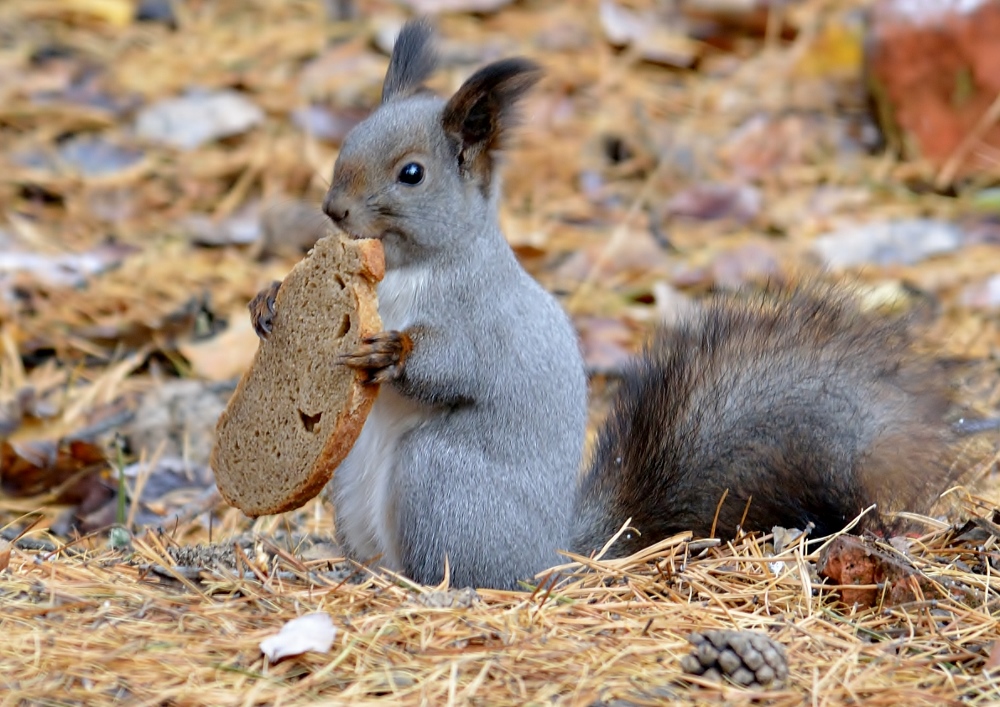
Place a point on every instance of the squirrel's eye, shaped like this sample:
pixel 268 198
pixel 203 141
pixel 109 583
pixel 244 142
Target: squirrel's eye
pixel 411 173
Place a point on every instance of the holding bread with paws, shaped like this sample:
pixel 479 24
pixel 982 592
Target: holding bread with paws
pixel 472 448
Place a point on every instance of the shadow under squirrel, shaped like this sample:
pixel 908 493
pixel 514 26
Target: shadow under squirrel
pixel 794 403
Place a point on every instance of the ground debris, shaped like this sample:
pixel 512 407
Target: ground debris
pixel 161 162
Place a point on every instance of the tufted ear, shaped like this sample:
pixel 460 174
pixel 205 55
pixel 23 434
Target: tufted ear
pixel 413 60
pixel 482 111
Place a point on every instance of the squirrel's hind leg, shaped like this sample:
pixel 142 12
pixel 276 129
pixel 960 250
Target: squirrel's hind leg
pixel 494 528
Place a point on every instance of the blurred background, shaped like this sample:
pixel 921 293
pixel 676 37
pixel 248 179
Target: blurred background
pixel 162 160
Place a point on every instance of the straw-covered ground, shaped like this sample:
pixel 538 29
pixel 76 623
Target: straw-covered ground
pixel 104 626
pixel 648 172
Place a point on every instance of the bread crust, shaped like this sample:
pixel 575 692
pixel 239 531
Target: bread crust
pixel 281 436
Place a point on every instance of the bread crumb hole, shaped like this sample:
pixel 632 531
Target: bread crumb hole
pixel 310 421
pixel 340 281
pixel 345 326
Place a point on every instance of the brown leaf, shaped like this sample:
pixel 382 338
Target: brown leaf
pixel 713 201
pixel 655 39
pixel 607 343
pixel 431 7
pixel 72 471
pixel 851 560
pixel 993 661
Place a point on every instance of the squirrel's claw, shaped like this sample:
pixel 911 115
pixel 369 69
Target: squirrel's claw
pixel 262 309
pixel 380 357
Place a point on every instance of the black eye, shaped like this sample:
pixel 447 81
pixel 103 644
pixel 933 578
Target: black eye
pixel 411 173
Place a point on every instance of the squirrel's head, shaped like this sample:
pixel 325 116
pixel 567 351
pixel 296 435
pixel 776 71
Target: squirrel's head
pixel 420 172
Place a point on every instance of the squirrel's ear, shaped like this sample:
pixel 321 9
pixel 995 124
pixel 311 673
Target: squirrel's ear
pixel 483 110
pixel 413 60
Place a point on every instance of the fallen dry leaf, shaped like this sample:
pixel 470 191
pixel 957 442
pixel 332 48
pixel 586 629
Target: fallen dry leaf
pixel 72 468
pixel 431 7
pixel 887 243
pixel 711 201
pixel 610 135
pixel 226 355
pixel 993 661
pixel 200 117
pixel 63 269
pixel 884 578
pixel 651 37
pixel 311 632
pixel 115 12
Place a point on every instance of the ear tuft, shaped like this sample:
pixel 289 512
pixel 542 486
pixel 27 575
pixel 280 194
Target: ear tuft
pixel 483 110
pixel 412 62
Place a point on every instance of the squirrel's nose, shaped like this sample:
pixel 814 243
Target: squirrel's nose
pixel 335 209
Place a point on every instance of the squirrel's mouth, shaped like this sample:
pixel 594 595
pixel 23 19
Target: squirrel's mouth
pixel 355 236
pixel 366 232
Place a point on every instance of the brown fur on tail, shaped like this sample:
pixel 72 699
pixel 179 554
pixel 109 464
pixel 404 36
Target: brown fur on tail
pixel 794 403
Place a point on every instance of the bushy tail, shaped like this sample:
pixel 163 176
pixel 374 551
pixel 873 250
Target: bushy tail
pixel 784 407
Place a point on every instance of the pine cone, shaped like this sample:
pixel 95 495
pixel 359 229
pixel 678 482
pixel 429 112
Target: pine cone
pixel 747 658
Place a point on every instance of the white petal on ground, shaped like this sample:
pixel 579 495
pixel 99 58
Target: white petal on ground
pixel 311 632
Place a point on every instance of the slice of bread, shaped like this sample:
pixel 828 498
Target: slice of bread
pixel 296 413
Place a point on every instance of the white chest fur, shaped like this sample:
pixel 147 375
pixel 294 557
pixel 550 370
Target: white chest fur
pixel 398 294
pixel 363 484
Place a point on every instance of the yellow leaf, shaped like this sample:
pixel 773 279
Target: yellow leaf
pixel 836 51
pixel 118 13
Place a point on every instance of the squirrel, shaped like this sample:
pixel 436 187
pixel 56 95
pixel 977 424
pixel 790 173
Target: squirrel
pixel 790 407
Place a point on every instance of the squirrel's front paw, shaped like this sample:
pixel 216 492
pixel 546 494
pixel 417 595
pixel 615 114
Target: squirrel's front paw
pixel 381 357
pixel 262 309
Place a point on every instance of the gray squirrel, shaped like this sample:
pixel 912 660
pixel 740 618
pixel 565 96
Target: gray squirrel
pixel 790 407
